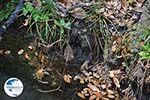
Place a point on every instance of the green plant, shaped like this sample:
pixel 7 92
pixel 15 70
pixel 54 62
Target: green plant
pixel 38 15
pixel 7 9
pixel 145 50
pixel 63 25
pixel 49 26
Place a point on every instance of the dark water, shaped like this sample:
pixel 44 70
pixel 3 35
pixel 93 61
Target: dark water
pixel 29 92
pixel 13 66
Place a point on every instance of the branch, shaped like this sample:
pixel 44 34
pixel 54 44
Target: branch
pixel 12 18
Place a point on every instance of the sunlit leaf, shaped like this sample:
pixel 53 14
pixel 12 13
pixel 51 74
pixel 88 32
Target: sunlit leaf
pixel 114 48
pixel 81 95
pixel 110 96
pixel 116 82
pixel 26 22
pixel 27 56
pixel 7 52
pixel 30 47
pixel 93 87
pixel 21 51
pixel 67 78
pixel 39 74
pixel 110 91
pixel 92 97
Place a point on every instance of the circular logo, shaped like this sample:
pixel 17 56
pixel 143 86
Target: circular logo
pixel 13 87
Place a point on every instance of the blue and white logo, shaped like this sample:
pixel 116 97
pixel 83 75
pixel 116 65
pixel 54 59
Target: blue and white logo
pixel 13 87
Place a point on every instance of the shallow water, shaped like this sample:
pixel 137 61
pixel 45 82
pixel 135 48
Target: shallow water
pixel 13 66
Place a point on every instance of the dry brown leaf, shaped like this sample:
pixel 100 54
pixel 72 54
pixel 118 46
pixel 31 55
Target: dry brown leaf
pixel 114 48
pixel 1 51
pixel 27 56
pixel 20 51
pixel 111 74
pixel 116 82
pixel 92 97
pixel 68 53
pixel 103 86
pixel 67 78
pixel 39 74
pixel 26 22
pixel 37 3
pixel 89 90
pixel 79 13
pixel 98 94
pixel 125 4
pixel 82 80
pixel 103 93
pixel 30 47
pixel 42 60
pixel 97 98
pixel 105 98
pixel 110 96
pixel 110 91
pixel 81 95
pixel 7 52
pixel 93 87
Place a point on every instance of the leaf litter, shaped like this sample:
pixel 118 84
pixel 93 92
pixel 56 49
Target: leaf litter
pixel 102 81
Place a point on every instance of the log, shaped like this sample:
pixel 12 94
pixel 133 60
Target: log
pixel 12 18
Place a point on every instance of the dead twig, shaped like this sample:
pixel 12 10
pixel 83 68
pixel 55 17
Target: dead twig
pixel 50 45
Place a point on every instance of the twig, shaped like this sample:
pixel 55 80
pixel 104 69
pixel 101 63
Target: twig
pixel 43 82
pixel 48 91
pixel 50 45
pixel 52 90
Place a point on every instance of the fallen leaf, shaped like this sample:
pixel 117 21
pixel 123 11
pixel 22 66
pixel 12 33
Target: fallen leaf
pixel 7 52
pixel 110 96
pixel 114 48
pixel 98 94
pixel 79 13
pixel 68 53
pixel 1 51
pixel 37 3
pixel 81 95
pixel 67 78
pixel 89 90
pixel 116 81
pixel 111 74
pixel 82 80
pixel 92 97
pixel 97 98
pixel 110 91
pixel 20 51
pixel 30 47
pixel 105 98
pixel 39 74
pixel 103 86
pixel 27 56
pixel 93 87
pixel 26 22
pixel 84 65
